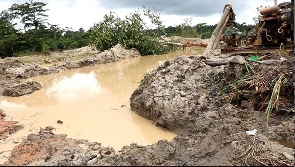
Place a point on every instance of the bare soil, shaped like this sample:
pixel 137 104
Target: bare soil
pixel 7 127
pixel 203 104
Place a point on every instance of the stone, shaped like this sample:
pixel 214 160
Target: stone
pixel 95 147
pixel 238 60
pixel 92 161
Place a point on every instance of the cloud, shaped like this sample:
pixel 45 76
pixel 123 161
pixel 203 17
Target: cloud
pixel 84 13
pixel 200 8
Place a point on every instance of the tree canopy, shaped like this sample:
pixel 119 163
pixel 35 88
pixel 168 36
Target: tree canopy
pixel 31 14
pixel 37 34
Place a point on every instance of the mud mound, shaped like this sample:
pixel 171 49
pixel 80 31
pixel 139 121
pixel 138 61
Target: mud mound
pixel 173 93
pixel 183 95
pixel 14 70
pixel 21 89
pixel 7 127
pixel 114 54
pixel 47 148
pixel 180 39
pixel 182 151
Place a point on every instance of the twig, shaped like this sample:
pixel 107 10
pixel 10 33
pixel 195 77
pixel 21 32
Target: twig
pixel 279 52
pixel 262 57
pixel 252 148
pixel 249 148
pixel 246 159
pixel 259 161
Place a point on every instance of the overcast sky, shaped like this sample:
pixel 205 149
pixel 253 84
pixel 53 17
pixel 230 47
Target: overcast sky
pixel 84 13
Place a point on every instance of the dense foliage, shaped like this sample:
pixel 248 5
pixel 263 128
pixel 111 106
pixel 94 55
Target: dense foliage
pixel 200 30
pixel 37 35
pixel 132 32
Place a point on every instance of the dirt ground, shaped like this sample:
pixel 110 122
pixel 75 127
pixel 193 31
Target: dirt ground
pixel 211 106
pixel 7 127
pixel 217 105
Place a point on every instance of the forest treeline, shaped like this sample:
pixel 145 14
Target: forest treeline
pixel 37 35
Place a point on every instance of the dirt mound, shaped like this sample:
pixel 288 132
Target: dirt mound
pixel 182 40
pixel 183 95
pixel 114 54
pixel 48 149
pixel 21 89
pixel 173 93
pixel 7 127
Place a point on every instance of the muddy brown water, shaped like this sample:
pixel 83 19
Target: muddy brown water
pixel 286 143
pixel 92 102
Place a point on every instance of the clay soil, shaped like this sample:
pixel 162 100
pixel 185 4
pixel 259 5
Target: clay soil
pixel 7 127
pixel 210 108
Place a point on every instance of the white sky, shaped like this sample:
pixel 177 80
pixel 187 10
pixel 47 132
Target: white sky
pixel 84 13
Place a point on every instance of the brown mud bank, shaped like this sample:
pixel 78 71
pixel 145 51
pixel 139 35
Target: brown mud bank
pixel 215 105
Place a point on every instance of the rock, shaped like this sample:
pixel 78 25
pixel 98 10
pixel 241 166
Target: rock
pixel 238 60
pixel 92 161
pixel 59 122
pixel 269 62
pixel 49 128
pixel 288 156
pixel 215 62
pixel 95 147
pixel 16 90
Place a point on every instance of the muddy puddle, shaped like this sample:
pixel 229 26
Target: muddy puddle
pixel 286 143
pixel 92 102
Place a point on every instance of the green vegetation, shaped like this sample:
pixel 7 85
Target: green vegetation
pixel 39 36
pixel 132 32
pixel 201 30
pixel 36 35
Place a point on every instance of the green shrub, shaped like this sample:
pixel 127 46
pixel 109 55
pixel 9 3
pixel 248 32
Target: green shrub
pixel 131 32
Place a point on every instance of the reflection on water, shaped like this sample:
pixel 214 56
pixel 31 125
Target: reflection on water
pixel 286 143
pixel 93 102
pixel 69 88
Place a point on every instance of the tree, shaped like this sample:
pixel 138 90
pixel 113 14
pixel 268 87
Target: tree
pixel 170 31
pixel 8 35
pixel 32 14
pixel 201 25
pixel 39 36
